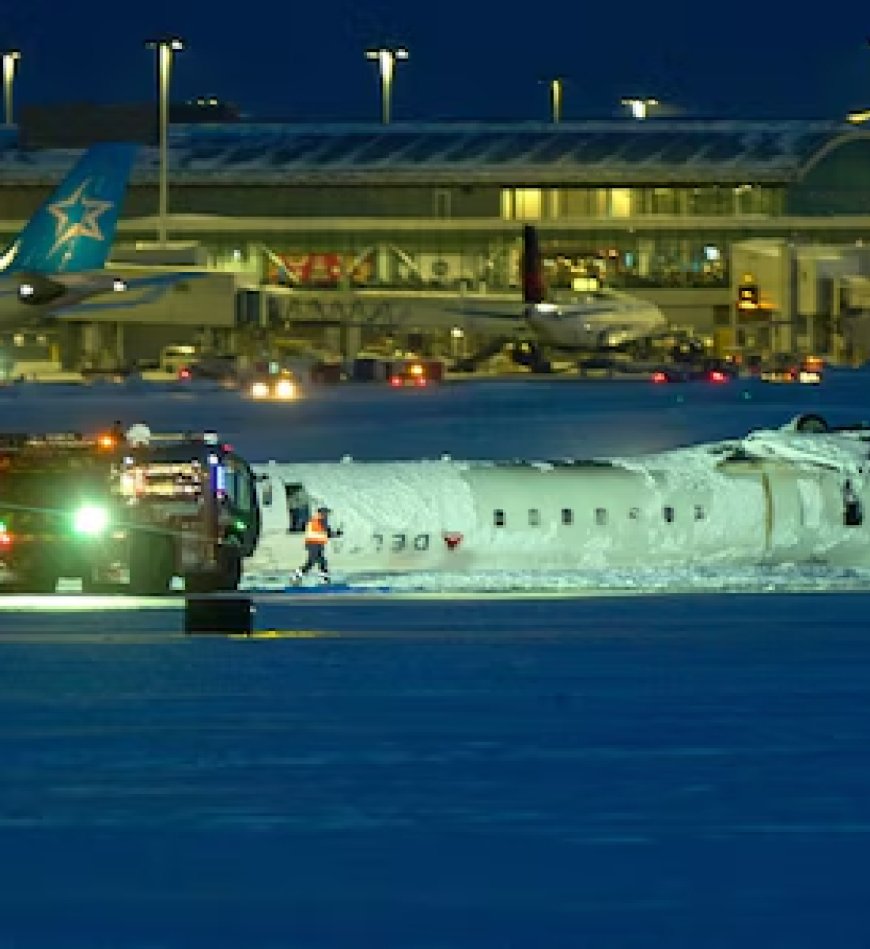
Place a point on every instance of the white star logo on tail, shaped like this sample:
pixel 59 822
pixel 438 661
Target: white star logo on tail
pixel 77 216
pixel 8 256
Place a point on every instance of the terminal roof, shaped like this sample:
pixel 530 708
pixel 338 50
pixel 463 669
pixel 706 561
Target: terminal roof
pixel 654 151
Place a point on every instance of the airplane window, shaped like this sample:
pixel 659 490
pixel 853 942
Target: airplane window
pixel 534 517
pixel 498 518
pixel 634 513
pixel 601 516
pixel 700 514
pixel 668 512
pixel 567 515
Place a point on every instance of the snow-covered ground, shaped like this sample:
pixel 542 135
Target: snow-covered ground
pixel 671 769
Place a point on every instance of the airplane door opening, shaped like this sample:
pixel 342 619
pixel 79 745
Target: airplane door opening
pixel 298 508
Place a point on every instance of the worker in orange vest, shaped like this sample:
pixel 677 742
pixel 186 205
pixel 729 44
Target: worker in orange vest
pixel 317 535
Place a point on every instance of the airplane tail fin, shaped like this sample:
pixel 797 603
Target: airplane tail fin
pixel 532 266
pixel 74 228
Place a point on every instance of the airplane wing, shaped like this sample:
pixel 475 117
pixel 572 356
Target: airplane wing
pixel 135 292
pixel 515 313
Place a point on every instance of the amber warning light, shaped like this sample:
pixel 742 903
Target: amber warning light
pixel 748 293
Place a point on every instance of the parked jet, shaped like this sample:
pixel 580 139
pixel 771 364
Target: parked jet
pixel 59 257
pixel 589 322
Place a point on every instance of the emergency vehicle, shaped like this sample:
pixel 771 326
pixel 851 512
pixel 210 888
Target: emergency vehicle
pixel 124 515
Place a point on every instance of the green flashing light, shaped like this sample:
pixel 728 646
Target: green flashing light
pixel 90 520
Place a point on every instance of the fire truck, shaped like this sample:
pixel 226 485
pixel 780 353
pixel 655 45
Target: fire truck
pixel 124 515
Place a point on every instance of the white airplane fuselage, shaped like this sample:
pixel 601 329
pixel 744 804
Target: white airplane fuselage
pixel 682 508
pixel 52 295
pixel 602 319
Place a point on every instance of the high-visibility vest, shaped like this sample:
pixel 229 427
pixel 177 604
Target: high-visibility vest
pixel 315 531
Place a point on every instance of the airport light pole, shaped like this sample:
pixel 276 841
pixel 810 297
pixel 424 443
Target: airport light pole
pixel 639 105
pixel 10 62
pixel 386 59
pixel 556 86
pixel 165 47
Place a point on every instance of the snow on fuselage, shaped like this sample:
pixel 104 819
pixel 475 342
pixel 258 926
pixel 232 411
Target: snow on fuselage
pixel 774 497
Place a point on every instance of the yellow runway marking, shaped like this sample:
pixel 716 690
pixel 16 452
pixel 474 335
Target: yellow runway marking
pixel 281 634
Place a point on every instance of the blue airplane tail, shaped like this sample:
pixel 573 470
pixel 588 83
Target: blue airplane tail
pixel 74 228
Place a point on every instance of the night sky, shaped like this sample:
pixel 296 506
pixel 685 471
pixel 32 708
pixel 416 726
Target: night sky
pixel 470 59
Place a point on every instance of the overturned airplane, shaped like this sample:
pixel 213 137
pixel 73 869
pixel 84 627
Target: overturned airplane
pixel 791 495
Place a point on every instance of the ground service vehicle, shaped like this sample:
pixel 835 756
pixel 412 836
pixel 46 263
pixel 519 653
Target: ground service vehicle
pixel 415 372
pixel 274 386
pixel 124 517
pixel 176 357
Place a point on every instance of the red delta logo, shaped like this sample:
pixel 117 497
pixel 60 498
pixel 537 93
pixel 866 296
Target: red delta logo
pixel 453 539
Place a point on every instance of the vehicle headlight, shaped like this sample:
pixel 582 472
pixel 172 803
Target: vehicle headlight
pixel 90 520
pixel 285 389
pixel 260 390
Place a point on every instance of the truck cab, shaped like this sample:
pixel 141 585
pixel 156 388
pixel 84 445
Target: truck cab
pixel 191 508
pixel 125 515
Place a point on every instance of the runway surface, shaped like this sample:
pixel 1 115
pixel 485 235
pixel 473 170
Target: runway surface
pixel 637 771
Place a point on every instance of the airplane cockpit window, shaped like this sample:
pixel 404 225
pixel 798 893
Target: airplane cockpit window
pixel 298 508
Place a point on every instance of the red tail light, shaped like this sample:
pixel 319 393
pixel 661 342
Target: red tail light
pixel 659 376
pixel 395 380
pixel 716 375
pixel 184 373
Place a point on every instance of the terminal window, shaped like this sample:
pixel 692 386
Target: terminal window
pixel 442 204
pixel 522 204
pixel 620 202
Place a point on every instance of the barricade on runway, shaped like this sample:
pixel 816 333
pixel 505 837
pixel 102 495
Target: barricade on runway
pixel 221 615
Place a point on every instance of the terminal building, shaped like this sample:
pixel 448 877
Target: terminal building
pixel 345 235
